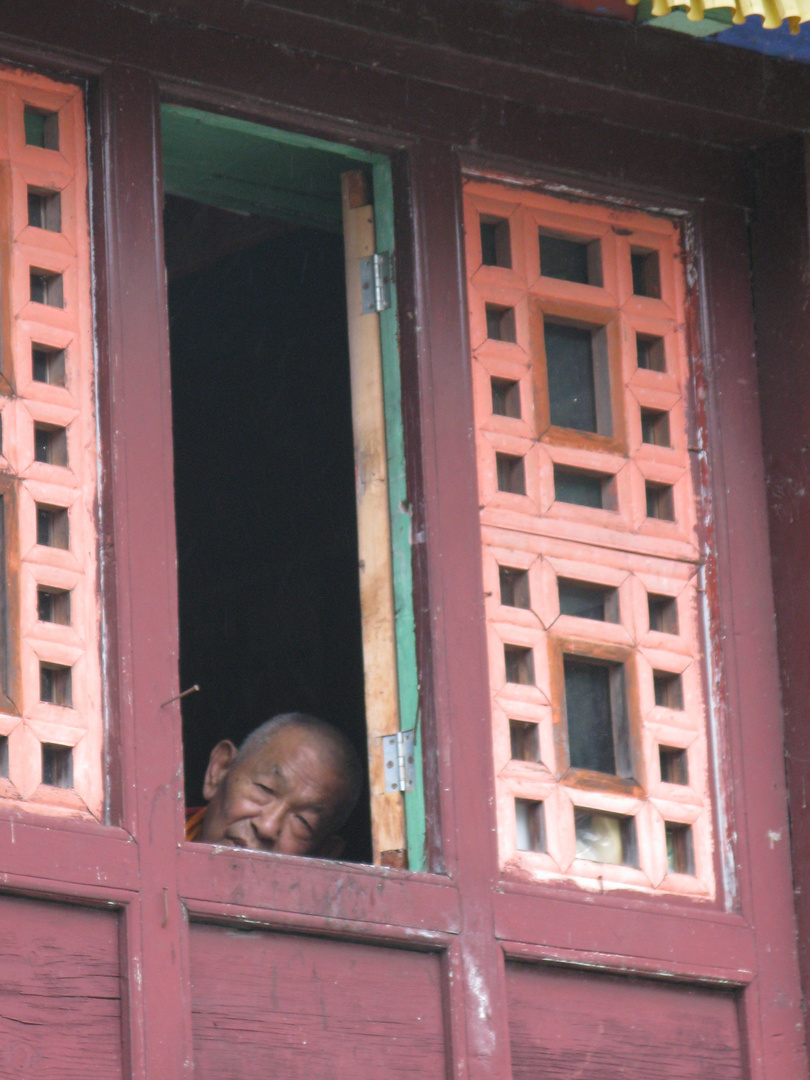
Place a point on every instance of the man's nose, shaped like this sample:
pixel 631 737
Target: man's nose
pixel 268 822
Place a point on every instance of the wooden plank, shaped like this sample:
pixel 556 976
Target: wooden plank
pixel 400 510
pixel 695 940
pixel 69 859
pixel 388 92
pixel 753 769
pixel 451 613
pixel 373 527
pixel 140 586
pixel 310 1007
pixel 577 1025
pixel 60 992
pixel 781 253
pixel 338 891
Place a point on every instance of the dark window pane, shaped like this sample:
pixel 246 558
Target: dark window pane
pixel 506 398
pixel 650 353
pixel 569 363
pixel 680 850
pixel 50 445
pixel 511 474
pixel 53 605
pixel 57 765
pixel 646 274
pixel 579 488
pixel 514 587
pixel 581 601
pixel 655 427
pixel 45 209
pixel 530 826
pixel 524 741
pixel 519 662
pixel 46 288
pixel 36 210
pixel 674 765
pixel 48 365
pixel 663 614
pixel 589 716
pixel 55 685
pixel 500 323
pixel 660 502
pixel 52 526
pixel 570 260
pixel 495 246
pixel 4 756
pixel 668 689
pixel 41 128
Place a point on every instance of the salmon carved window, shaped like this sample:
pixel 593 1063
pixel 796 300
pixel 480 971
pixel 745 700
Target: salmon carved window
pixel 591 556
pixel 50 684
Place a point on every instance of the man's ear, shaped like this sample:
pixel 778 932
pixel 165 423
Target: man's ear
pixel 331 848
pixel 222 757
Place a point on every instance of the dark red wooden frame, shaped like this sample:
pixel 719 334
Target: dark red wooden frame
pixel 365 64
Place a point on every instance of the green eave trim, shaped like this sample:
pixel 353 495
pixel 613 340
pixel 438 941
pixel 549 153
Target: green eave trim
pixel 238 165
pixel 399 510
pixel 713 21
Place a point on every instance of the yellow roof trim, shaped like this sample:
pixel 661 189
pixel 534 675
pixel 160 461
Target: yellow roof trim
pixel 772 12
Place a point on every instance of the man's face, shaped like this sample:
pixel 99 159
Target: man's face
pixel 284 797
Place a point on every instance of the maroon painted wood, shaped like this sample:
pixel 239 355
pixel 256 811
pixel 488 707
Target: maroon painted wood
pixel 453 553
pixel 366 78
pixel 445 41
pixel 349 957
pixel 781 247
pixel 298 1003
pixel 577 1025
pixel 60 991
pixel 139 460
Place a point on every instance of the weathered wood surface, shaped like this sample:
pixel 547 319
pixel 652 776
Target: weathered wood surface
pixel 297 1008
pixel 60 992
pixel 373 523
pixel 780 238
pixel 577 1025
pixel 271 63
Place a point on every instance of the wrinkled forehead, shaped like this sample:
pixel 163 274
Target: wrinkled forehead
pixel 301 756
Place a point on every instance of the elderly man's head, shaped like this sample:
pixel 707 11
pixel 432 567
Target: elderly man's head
pixel 289 788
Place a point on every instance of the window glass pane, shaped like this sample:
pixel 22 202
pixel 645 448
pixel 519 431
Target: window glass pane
pixel 589 715
pixel 530 825
pixel 569 361
pixel 578 488
pixel 570 260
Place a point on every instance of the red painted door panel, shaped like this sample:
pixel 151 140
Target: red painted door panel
pixel 578 1025
pixel 273 1005
pixel 60 992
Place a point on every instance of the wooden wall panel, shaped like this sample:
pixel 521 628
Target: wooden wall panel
pixel 274 1005
pixel 60 996
pixel 567 1024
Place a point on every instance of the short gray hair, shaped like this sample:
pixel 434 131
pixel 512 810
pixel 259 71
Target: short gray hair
pixel 344 756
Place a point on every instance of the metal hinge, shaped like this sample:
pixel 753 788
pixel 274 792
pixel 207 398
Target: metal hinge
pixel 375 282
pixel 400 770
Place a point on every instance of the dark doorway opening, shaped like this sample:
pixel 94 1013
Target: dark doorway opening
pixel 264 481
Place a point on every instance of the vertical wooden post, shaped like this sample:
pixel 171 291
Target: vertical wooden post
pixel 373 525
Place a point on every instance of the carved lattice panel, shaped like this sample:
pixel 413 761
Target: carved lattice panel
pixel 50 721
pixel 591 556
